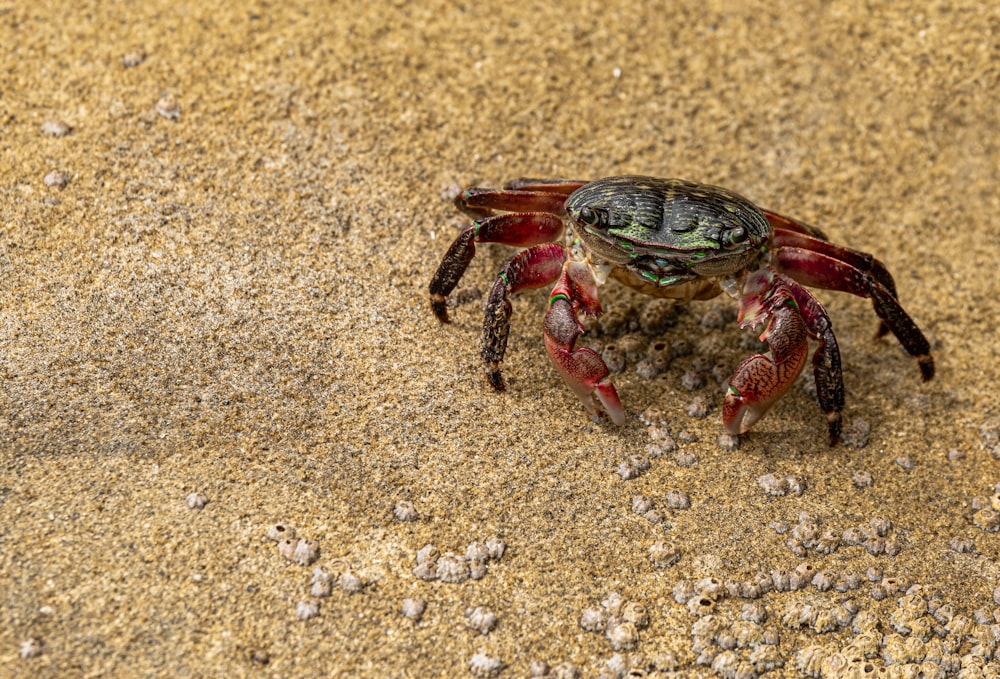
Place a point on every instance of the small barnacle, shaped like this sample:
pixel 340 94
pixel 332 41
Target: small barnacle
pixel 875 545
pixel 477 569
pixel 728 442
pixel 750 590
pixel 614 357
pixel 710 587
pixel 781 580
pixel 987 519
pixel 746 633
pixel 496 548
pixel 428 554
pixel 413 609
pixel 807 531
pixel 594 619
pixel 539 669
pixel 959 626
pixel 664 554
pixel 321 583
pixel 772 636
pixel 865 645
pixel 809 660
pixel 801 576
pixel 351 582
pixel 635 613
pixel 881 525
pixel 641 504
pixel 426 570
pixel 657 315
pixel 452 568
pixel 707 627
pixel 634 346
pixel 477 551
pixel 766 658
pixel 828 542
pixel 653 516
pixel 914 604
pixel 286 548
pixel 842 614
pixel 865 621
pixel 623 636
pixel 725 663
pixel 823 580
pixel 796 547
pixel 678 499
pixel 168 106
pixel 613 603
pixel 726 640
pixel 633 468
pixel 772 484
pixel 734 588
pixel 833 665
pixel 480 619
pixel 852 536
pixel 754 612
pixel 962 545
pixel 279 532
pixel 699 407
pixel 405 511
pixel 874 574
pixel 309 608
pixel 305 553
pixel 862 479
pixel 824 621
pixel 484 666
pixel 684 590
pixel 701 605
pixel 197 501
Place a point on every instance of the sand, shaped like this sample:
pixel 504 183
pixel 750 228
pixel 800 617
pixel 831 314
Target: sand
pixel 224 293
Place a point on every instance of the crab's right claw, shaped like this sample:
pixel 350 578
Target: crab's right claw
pixel 581 368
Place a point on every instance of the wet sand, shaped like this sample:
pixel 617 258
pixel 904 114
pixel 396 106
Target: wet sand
pixel 224 293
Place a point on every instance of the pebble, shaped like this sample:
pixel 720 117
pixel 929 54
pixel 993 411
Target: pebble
pixel 30 648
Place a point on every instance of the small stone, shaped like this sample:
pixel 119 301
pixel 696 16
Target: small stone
pixel 773 484
pixel 641 504
pixel 133 59
pixel 321 584
pixel 30 648
pixel 633 468
pixel 56 179
pixel 413 609
pixel 855 434
pixel 685 458
pixel 56 128
pixel 956 455
pixel 906 462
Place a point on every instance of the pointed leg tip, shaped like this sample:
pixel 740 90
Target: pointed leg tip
pixel 926 364
pixel 495 377
pixel 440 308
pixel 833 426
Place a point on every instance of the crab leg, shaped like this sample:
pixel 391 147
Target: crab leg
pixel 535 267
pixel 787 223
pixel 522 229
pixel 861 261
pixel 761 380
pixel 818 270
pixel 826 359
pixel 581 367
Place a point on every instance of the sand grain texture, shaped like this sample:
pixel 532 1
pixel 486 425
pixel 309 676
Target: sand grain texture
pixel 225 293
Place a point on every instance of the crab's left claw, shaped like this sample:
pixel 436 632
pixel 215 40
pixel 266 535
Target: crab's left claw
pixel 581 367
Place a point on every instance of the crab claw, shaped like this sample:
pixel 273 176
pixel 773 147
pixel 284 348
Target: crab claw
pixel 581 368
pixel 761 380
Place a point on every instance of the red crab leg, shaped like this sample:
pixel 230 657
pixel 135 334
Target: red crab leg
pixel 477 202
pixel 861 261
pixel 821 271
pixel 761 380
pixel 826 359
pixel 779 222
pixel 535 267
pixel 563 186
pixel 522 230
pixel 581 367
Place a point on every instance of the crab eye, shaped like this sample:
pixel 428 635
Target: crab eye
pixel 735 236
pixel 590 216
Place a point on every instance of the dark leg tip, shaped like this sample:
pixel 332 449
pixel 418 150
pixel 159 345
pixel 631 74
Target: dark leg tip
pixel 495 377
pixel 833 424
pixel 440 308
pixel 926 364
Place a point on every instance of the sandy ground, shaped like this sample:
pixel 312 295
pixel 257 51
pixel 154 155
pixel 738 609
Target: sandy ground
pixel 225 293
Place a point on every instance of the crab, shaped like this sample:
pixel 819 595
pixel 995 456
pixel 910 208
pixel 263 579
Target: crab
pixel 679 240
